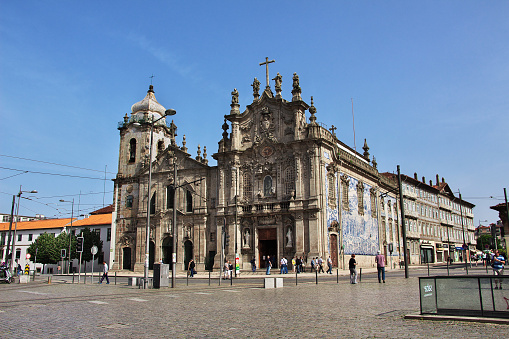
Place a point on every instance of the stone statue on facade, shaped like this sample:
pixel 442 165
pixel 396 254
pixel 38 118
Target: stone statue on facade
pixel 289 242
pixel 256 88
pixel 278 79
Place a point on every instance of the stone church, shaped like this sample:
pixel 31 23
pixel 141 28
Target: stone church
pixel 284 186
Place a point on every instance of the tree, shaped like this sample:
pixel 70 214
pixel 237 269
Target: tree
pixel 485 241
pixel 62 243
pixel 44 250
pixel 90 239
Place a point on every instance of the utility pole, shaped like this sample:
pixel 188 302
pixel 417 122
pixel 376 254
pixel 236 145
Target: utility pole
pixel 403 226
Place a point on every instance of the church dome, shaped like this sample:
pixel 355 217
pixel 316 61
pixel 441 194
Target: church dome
pixel 148 104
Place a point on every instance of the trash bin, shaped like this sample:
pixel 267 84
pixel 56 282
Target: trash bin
pixel 161 273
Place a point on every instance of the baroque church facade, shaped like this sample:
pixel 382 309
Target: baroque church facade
pixel 284 186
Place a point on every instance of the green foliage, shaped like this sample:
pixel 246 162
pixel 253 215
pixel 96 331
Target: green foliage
pixel 44 249
pixel 486 239
pixel 62 242
pixel 90 239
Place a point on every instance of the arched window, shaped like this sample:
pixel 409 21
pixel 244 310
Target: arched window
pixel 129 201
pixel 160 146
pixel 170 195
pixel 267 186
pixel 132 150
pixel 189 201
pixel 248 186
pixel 289 180
pixel 153 204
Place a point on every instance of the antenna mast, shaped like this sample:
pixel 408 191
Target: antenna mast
pixel 353 120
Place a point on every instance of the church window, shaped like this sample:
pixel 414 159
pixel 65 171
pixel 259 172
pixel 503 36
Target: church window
pixel 170 196
pixel 267 186
pixel 289 180
pixel 132 150
pixel 360 197
pixel 153 204
pixel 372 196
pixel 160 146
pixel 129 201
pixel 345 185
pixel 189 201
pixel 248 186
pixel 331 190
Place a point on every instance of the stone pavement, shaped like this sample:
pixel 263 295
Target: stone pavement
pixel 327 309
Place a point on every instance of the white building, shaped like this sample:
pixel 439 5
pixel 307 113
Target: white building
pixel 28 231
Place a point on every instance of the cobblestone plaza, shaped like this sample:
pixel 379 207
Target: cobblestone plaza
pixel 327 309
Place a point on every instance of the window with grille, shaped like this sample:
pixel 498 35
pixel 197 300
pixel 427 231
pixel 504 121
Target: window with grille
pixel 248 186
pixel 289 180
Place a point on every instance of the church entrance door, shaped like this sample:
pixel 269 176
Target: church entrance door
pixel 334 249
pixel 267 245
pixel 167 248
pixel 126 258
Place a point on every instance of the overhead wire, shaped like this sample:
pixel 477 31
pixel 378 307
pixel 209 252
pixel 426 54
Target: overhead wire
pixel 53 163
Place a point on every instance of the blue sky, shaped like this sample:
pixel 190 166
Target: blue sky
pixel 428 79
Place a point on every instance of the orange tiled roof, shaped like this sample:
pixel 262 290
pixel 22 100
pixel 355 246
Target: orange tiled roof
pixel 37 224
pixel 94 220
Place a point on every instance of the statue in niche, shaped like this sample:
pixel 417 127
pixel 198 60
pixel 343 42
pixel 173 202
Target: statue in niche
pixel 289 242
pixel 247 236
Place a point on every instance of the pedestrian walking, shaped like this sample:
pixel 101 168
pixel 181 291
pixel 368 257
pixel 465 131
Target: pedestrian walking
pixel 302 264
pixel 380 266
pixel 105 273
pixel 352 265
pixel 320 265
pixel 268 265
pixel 230 269
pixel 312 264
pixel 283 264
pixel 191 267
pixel 298 263
pixel 294 265
pixel 253 265
pixel 498 268
pixel 329 265
pixel 225 270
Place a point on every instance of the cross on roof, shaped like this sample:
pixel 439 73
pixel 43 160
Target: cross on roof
pixel 333 129
pixel 266 63
pixel 151 77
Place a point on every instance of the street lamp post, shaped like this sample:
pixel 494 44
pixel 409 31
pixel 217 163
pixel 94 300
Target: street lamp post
pixel 70 229
pixel 147 227
pixel 16 225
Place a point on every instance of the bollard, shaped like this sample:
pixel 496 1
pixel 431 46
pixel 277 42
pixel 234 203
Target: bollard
pixel 296 277
pixel 33 276
pixel 360 275
pixel 337 276
pixel 85 281
pixel 73 277
pixel 447 267
pixel 115 278
pixel 231 279
pixel 486 268
pixel 187 278
pixel 209 278
pixel 49 279
pixel 316 278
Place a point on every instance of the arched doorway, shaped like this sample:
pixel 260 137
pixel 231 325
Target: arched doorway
pixel 167 248
pixel 126 258
pixel 188 252
pixel 151 255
